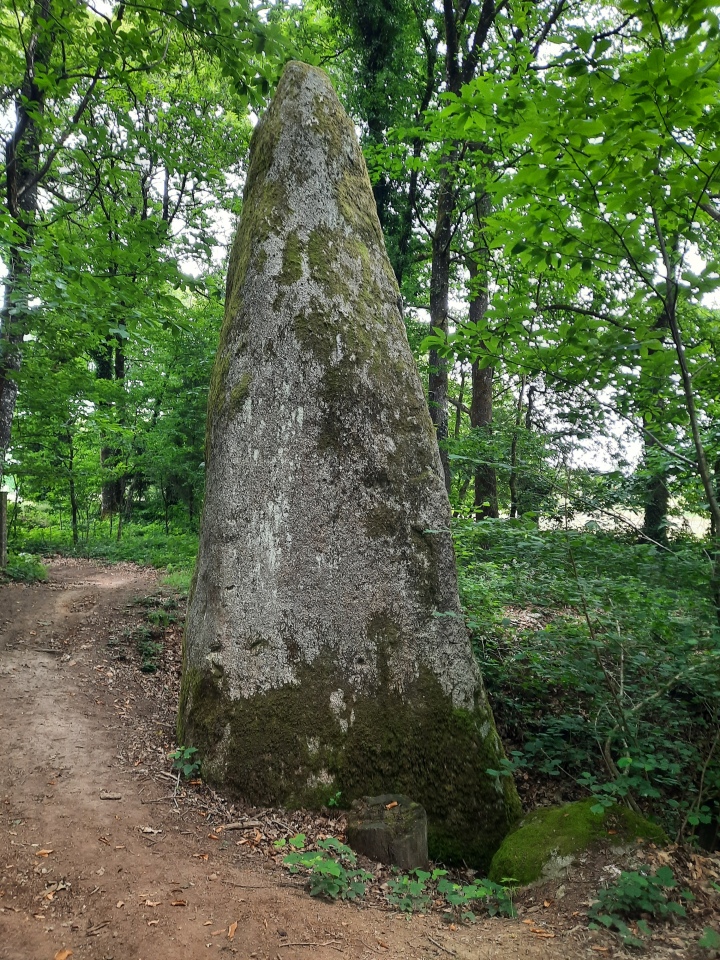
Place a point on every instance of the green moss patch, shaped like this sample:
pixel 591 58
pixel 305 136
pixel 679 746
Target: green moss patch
pixel 288 747
pixel 239 393
pixel 554 835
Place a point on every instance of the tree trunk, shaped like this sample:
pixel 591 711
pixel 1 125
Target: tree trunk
pixel 481 405
pixel 110 366
pixel 514 486
pixel 486 502
pixel 459 407
pixel 22 162
pixel 463 47
pixel 73 492
pixel 657 495
pixel 3 529
pixel 439 297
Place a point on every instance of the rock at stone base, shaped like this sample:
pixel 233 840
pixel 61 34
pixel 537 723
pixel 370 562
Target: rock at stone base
pixel 390 829
pixel 548 840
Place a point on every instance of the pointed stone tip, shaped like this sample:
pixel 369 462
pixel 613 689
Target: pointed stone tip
pixel 298 75
pixel 299 69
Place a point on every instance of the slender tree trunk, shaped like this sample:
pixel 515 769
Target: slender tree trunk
pixel 657 495
pixel 514 487
pixel 463 49
pixel 73 492
pixel 481 405
pixel 16 512
pixel 110 366
pixel 439 302
pixel 669 255
pixel 408 219
pixel 3 529
pixel 485 479
pixel 22 163
pixel 458 408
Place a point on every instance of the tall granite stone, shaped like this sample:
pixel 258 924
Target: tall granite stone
pixel 325 648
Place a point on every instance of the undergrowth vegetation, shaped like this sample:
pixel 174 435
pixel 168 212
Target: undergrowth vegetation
pixel 23 568
pixel 333 872
pixel 601 654
pixel 603 661
pixel 39 531
pixel 638 895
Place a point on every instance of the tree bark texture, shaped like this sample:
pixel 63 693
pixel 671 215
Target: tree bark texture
pixel 481 405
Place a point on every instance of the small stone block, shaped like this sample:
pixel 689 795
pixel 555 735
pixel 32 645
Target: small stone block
pixel 390 829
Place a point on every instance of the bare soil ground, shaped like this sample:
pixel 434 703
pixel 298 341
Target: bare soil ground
pixel 104 856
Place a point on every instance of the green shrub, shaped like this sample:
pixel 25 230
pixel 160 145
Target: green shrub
pixel 146 544
pixel 333 870
pixel 634 896
pixel 24 568
pixel 615 689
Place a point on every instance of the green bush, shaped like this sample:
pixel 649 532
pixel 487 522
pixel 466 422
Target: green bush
pixel 24 568
pixel 615 689
pixel 144 544
pixel 333 872
pixel 636 895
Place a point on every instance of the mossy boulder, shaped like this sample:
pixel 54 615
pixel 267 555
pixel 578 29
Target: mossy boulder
pixel 325 646
pixel 547 840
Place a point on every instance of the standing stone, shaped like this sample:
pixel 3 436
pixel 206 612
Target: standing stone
pixel 325 647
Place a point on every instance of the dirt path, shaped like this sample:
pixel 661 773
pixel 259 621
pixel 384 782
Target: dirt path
pixel 141 877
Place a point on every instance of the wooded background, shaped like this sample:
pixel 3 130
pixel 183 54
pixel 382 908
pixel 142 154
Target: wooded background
pixel 547 177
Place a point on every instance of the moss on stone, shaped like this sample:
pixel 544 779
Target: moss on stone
pixel 216 394
pixel 292 265
pixel 324 267
pixel 384 521
pixel 336 129
pixel 553 835
pixel 256 226
pixel 239 393
pixel 411 742
pixel 356 204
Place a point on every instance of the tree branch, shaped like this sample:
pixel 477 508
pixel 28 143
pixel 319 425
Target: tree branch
pixel 50 159
pixel 547 26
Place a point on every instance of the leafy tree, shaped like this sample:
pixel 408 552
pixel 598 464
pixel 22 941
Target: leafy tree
pixel 66 69
pixel 596 223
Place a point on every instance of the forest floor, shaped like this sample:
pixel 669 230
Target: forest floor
pixel 104 856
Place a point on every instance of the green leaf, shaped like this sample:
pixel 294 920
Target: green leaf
pixel 710 939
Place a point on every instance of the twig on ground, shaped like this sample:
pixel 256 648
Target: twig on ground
pixel 323 943
pixel 441 947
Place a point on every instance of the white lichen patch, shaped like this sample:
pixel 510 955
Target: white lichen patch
pixel 338 707
pixel 321 779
